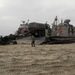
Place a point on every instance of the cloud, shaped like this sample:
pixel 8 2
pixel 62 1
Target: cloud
pixel 12 12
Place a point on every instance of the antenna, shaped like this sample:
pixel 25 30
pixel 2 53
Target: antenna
pixel 56 18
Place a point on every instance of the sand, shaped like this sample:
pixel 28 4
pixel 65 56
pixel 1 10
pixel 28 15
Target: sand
pixel 23 59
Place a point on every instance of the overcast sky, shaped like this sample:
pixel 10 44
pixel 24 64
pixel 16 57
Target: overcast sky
pixel 12 12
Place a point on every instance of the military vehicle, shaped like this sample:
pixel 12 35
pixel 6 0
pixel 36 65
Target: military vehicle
pixel 63 32
pixel 10 39
pixel 33 28
pixel 38 29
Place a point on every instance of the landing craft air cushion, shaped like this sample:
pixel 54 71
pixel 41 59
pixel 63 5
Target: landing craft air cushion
pixel 63 32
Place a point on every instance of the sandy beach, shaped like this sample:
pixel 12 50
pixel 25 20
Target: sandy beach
pixel 22 59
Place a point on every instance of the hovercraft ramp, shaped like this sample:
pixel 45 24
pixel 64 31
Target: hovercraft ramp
pixel 27 40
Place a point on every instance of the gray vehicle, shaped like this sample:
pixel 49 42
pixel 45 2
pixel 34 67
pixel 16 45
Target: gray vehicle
pixel 38 29
pixel 63 32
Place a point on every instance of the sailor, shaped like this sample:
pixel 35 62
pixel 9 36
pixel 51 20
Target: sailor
pixel 33 41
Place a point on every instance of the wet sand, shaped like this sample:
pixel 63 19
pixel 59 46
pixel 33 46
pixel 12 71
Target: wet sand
pixel 23 59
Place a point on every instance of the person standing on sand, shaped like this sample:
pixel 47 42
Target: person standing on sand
pixel 33 41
